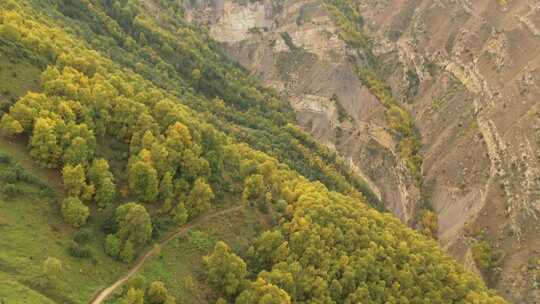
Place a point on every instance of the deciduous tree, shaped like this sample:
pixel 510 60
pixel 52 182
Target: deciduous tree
pixel 44 144
pixel 134 296
pixel 134 223
pixel 254 190
pixel 74 211
pixel 180 214
pixel 112 245
pixel 128 252
pixel 100 176
pixel 226 270
pixel 10 127
pixel 143 181
pixel 263 292
pixel 74 179
pixel 77 152
pixel 156 293
pixel 200 198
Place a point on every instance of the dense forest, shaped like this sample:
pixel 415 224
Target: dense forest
pixel 150 128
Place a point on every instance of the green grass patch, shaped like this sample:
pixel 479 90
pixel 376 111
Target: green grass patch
pixel 32 230
pixel 12 291
pixel 179 264
pixel 17 75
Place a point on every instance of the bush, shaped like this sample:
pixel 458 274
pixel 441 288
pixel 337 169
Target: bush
pixel 11 174
pixel 483 255
pixel 5 159
pixel 79 251
pixel 108 221
pixel 83 236
pixel 11 190
pixel 428 224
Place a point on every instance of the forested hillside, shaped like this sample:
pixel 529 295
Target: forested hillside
pixel 136 127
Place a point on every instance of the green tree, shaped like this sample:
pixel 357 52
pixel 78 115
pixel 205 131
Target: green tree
pixel 105 192
pixel 133 296
pixel 156 293
pixel 147 140
pixel 180 214
pixel 254 190
pixel 226 270
pixel 10 32
pixel 264 293
pixel 74 212
pixel 270 248
pixel 166 191
pixel 24 111
pixel 143 181
pixel 193 166
pixel 200 198
pixel 10 127
pixel 74 179
pixel 112 245
pixel 196 74
pixel 160 157
pixel 142 39
pixel 100 176
pixel 128 252
pixel 88 193
pixel 178 137
pixel 170 300
pixel 44 144
pixel 134 223
pixel 77 152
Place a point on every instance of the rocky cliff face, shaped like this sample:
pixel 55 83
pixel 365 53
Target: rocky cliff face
pixel 294 47
pixel 469 73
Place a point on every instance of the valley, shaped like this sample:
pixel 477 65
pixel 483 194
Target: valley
pixel 339 151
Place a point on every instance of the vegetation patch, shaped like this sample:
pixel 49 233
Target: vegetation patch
pixel 486 259
pixel 17 75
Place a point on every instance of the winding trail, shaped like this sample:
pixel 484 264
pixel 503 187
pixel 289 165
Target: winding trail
pixel 104 293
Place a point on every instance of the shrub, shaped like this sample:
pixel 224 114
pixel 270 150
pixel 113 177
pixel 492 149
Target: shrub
pixel 4 158
pixel 11 174
pixel 11 190
pixel 83 236
pixel 483 255
pixel 79 251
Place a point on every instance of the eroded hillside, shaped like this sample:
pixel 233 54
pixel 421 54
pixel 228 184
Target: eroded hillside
pixel 295 47
pixel 132 150
pixel 467 71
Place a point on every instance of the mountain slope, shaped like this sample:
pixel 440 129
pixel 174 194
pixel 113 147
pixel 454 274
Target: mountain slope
pixel 466 73
pixel 128 114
